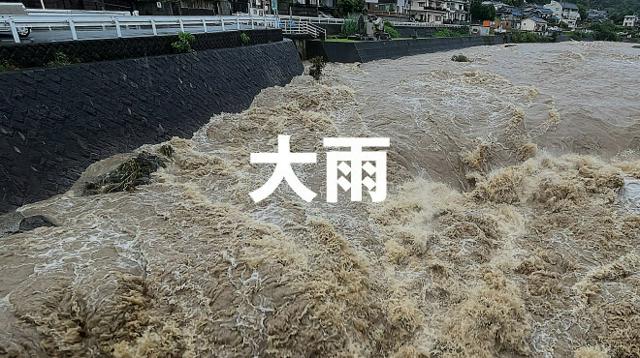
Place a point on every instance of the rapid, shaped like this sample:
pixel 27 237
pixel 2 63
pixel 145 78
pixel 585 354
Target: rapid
pixel 510 228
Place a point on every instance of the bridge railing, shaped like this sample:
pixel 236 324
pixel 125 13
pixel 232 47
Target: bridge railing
pixel 339 21
pixel 155 25
pixel 147 25
pixel 74 12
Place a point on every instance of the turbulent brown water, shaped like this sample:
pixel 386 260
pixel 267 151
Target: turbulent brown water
pixel 508 230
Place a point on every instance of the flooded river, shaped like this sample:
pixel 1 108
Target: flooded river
pixel 508 229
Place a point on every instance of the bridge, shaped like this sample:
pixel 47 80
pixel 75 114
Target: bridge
pixel 64 25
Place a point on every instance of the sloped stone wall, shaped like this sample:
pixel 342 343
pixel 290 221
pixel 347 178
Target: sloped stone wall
pixel 54 122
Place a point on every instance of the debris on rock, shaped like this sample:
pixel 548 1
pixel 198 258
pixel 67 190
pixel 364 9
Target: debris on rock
pixel 127 176
pixel 460 58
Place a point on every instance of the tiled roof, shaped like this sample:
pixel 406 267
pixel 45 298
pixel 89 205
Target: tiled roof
pixel 538 20
pixel 569 5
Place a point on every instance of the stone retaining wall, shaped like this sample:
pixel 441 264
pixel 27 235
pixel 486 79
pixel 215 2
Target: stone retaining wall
pixel 54 122
pixel 364 51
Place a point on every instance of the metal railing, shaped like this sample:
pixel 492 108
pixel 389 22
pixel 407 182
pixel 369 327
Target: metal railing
pixel 339 21
pixel 423 24
pixel 147 25
pixel 304 28
pixel 155 25
pixel 68 12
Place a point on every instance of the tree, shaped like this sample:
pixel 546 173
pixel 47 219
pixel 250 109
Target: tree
pixel 346 7
pixel 481 12
pixel 582 9
pixel 604 31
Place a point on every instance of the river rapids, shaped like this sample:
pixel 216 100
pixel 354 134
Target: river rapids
pixel 510 229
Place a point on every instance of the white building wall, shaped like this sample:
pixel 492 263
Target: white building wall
pixel 555 7
pixel 630 21
pixel 528 25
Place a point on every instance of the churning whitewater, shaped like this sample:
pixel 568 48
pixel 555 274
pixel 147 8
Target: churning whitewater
pixel 510 228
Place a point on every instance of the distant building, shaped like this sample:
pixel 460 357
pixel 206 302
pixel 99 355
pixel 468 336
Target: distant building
pixel 433 11
pixel 534 24
pixel 535 10
pixel 509 16
pixel 457 11
pixel 597 15
pixel 296 7
pixel 567 12
pixel 382 7
pixel 630 21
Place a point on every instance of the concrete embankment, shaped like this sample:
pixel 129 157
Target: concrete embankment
pixel 54 122
pixel 364 51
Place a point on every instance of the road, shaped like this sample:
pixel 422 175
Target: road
pixel 58 35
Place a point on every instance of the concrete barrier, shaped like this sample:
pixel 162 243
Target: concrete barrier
pixel 54 122
pixel 364 51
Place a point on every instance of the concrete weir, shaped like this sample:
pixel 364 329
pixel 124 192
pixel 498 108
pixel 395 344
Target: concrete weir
pixel 54 122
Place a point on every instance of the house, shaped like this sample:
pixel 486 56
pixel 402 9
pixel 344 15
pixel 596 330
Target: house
pixel 457 11
pixel 535 10
pixel 567 12
pixel 597 15
pixel 631 21
pixel 495 4
pixel 297 7
pixel 509 17
pixel 534 24
pixel 382 7
pixel 433 11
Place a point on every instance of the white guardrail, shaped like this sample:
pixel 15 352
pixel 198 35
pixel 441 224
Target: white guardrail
pixel 164 25
pixel 154 25
pixel 74 12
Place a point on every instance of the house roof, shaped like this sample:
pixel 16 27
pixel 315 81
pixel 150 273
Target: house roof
pixel 569 5
pixel 510 10
pixel 537 20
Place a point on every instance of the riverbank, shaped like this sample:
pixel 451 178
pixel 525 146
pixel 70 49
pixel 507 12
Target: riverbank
pixel 57 121
pixel 365 51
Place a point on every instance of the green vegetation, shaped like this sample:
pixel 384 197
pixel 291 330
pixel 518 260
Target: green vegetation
pixel 524 36
pixel 350 25
pixel 617 8
pixel 317 64
pixel 59 59
pixel 604 32
pixel 391 30
pixel 335 39
pixel 245 39
pixel 582 10
pixel 346 7
pixel 447 32
pixel 184 42
pixel 6 66
pixel 481 12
